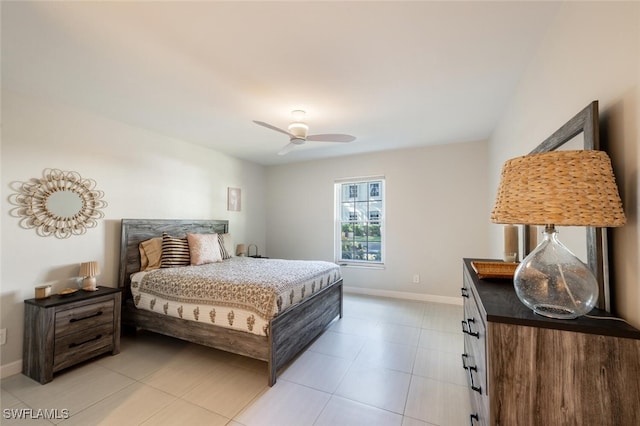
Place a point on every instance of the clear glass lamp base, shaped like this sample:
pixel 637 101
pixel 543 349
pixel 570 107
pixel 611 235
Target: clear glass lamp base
pixel 553 282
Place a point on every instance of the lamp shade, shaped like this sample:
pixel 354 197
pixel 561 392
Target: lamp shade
pixel 89 269
pixel 241 250
pixel 574 188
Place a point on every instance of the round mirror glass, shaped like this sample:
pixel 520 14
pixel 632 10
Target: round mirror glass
pixel 65 204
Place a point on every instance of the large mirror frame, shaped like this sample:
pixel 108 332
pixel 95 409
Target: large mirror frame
pixel 587 123
pixel 60 204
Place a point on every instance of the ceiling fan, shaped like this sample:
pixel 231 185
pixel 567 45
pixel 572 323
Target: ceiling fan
pixel 297 132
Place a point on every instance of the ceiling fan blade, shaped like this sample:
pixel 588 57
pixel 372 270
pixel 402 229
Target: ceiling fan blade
pixel 269 126
pixel 287 148
pixel 331 137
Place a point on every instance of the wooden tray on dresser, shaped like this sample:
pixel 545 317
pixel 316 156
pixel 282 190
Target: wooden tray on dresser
pixel 501 270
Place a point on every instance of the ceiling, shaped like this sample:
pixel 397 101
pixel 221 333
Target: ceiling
pixel 393 74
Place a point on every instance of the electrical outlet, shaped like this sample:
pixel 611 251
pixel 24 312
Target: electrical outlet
pixel 3 336
pixel 416 278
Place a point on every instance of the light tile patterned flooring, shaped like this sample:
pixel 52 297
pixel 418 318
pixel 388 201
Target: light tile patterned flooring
pixel 386 362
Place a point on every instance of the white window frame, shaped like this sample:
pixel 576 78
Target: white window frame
pixel 338 233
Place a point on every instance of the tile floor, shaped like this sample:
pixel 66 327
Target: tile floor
pixel 386 362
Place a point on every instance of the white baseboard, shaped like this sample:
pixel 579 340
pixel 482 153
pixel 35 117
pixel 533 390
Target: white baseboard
pixel 404 295
pixel 10 369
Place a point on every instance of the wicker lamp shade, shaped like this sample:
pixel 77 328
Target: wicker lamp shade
pixel 575 188
pixel 89 269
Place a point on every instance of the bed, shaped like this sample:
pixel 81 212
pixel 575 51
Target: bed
pixel 292 328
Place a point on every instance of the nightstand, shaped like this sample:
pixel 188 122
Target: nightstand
pixel 62 331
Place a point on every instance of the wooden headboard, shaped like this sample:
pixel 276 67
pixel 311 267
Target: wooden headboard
pixel 135 231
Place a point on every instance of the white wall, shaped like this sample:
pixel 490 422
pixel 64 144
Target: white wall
pixel 143 175
pixel 591 52
pixel 435 215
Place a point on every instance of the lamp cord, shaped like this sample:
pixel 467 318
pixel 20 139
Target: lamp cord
pixel 575 304
pixel 550 230
pixel 607 318
pixel 573 299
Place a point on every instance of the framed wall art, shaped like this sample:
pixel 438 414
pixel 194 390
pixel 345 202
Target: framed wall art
pixel 234 199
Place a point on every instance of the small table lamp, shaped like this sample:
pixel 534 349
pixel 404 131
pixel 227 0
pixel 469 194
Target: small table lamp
pixel 241 250
pixel 89 270
pixel 571 188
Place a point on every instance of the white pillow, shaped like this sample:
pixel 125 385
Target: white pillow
pixel 204 248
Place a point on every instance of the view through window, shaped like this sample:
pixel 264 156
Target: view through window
pixel 360 223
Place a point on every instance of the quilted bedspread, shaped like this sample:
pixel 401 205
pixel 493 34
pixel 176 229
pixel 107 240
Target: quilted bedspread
pixel 241 293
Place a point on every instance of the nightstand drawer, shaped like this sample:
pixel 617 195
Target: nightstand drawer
pixel 82 345
pixel 84 317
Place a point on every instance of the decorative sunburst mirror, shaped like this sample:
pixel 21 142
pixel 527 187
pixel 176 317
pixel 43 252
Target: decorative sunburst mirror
pixel 60 204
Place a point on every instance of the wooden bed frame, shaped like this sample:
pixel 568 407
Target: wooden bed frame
pixel 290 332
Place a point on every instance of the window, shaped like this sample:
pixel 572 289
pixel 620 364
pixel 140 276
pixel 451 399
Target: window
pixel 360 221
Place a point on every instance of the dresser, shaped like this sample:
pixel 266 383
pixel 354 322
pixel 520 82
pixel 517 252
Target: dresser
pixel 525 369
pixel 61 331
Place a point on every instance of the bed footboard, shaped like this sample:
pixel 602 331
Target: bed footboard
pixel 291 331
pixel 297 327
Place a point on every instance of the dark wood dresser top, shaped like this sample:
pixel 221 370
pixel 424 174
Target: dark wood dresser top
pixel 501 305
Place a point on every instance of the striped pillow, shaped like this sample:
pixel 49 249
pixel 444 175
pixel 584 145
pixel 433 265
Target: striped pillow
pixel 175 252
pixel 226 246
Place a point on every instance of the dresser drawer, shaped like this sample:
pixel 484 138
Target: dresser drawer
pixel 542 371
pixel 474 356
pixel 83 317
pixel 82 345
pixel 475 334
pixel 480 410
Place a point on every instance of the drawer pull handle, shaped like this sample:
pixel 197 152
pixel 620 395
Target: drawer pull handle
pixel 473 386
pixel 464 364
pixel 74 345
pixel 465 292
pixel 466 328
pixel 97 314
pixel 473 417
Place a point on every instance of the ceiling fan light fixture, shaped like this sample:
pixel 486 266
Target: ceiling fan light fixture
pixel 297 132
pixel 298 129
